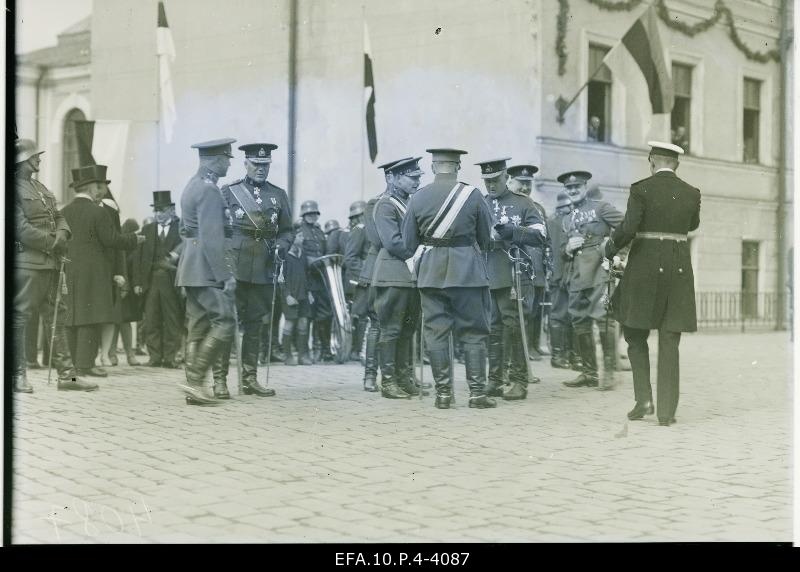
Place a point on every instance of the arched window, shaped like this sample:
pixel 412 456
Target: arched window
pixel 77 148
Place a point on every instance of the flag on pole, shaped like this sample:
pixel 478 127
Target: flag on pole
pixel 369 97
pixel 165 48
pixel 639 62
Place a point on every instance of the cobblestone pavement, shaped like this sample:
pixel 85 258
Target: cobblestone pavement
pixel 324 461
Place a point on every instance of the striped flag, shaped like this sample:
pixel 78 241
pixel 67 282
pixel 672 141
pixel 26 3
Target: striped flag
pixel 369 97
pixel 639 62
pixel 165 48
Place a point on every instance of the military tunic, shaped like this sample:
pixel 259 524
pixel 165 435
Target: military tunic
pixel 355 255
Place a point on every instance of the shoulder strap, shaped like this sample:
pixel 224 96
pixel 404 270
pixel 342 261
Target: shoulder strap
pixel 245 201
pixel 399 205
pixel 449 210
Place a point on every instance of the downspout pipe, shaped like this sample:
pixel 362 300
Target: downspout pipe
pixel 292 135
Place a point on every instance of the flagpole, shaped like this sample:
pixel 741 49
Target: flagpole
pixel 158 119
pixel 363 98
pixel 562 104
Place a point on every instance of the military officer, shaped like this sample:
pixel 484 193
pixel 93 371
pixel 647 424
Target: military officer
pixel 657 289
pixel 354 257
pixel 587 226
pixel 519 225
pixel 560 327
pixel 520 182
pixel 205 269
pixel 262 229
pixel 314 246
pixel 447 225
pixel 365 281
pixel 396 297
pixel 41 234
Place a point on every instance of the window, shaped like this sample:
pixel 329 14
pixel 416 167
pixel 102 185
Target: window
pixel 752 111
pixel 750 279
pixel 598 118
pixel 682 110
pixel 74 155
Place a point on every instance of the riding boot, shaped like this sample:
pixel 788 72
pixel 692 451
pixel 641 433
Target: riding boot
pixel 389 387
pixel 302 344
pixel 404 370
pixel 609 359
pixel 559 359
pixel 290 359
pixel 575 360
pixel 250 383
pixel 359 326
pixel 325 340
pixel 262 350
pixel 371 358
pixel 18 373
pixel 496 366
pixel 475 364
pixel 195 389
pixel 219 372
pixel 533 330
pixel 441 368
pixel 588 352
pixel 536 333
pixel 518 372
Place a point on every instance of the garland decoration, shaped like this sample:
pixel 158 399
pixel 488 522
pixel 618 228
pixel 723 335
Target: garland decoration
pixel 721 10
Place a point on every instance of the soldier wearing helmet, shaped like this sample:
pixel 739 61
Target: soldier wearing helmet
pixel 355 254
pixel 560 328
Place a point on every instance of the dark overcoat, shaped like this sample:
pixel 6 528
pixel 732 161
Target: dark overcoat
pixel 657 289
pixel 89 299
pixel 390 265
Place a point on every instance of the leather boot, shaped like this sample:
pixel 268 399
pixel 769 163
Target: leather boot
pixel 195 389
pixel 371 359
pixel 302 345
pixel 576 363
pixel 219 372
pixel 588 352
pixel 250 385
pixel 518 373
pixel 559 358
pixel 18 373
pixel 290 359
pixel 389 387
pixel 533 330
pixel 358 338
pixel 404 369
pixel 441 367
pixel 609 359
pixel 325 341
pixel 475 364
pixel 494 387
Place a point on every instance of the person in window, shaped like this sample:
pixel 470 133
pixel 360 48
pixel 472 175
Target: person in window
pixel 594 129
pixel 680 137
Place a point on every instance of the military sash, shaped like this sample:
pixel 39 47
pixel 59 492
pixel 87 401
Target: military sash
pixel 442 222
pixel 247 203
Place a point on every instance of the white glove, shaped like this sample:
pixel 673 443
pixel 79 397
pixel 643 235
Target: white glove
pixel 574 243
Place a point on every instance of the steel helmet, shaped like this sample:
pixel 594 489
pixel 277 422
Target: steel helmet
pixel 309 207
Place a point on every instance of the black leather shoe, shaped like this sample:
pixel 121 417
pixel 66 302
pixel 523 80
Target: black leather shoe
pixel 254 388
pixel 443 401
pixel 640 410
pixel 76 384
pixel 221 390
pixel 582 380
pixel 493 390
pixel 93 372
pixel 369 385
pixel 481 402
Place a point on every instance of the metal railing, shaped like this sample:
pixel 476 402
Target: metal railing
pixel 755 310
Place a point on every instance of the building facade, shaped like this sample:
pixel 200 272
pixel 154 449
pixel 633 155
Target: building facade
pixel 480 75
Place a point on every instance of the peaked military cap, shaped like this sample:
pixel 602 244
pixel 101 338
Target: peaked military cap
pixel 89 174
pixel 386 166
pixel 162 199
pixel 522 172
pixel 357 208
pixel 445 154
pixel 562 199
pixel 258 152
pixel 664 149
pixel 492 168
pixel 215 147
pixel 25 149
pixel 408 167
pixel 572 178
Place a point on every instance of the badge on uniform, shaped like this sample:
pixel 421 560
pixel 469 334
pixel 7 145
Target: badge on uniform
pixel 259 201
pixel 274 218
pixel 516 219
pixel 274 202
pixel 239 213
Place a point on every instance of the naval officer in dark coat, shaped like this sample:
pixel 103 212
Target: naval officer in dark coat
pixel 262 229
pixel 205 270
pixel 396 296
pixel 448 227
pixel 657 290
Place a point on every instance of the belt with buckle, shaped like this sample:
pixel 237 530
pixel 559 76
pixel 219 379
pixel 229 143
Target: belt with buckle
pixel 663 236
pixel 448 242
pixel 255 233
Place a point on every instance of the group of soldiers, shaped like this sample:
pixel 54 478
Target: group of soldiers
pixel 458 269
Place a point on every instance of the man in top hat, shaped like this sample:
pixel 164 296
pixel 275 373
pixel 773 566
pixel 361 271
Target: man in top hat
pixel 560 326
pixel 586 227
pixel 657 289
pixel 41 234
pixel 371 360
pixel 447 226
pixel 396 296
pixel 315 245
pixel 154 278
pixel 518 224
pixel 90 299
pixel 354 256
pixel 520 182
pixel 262 229
pixel 205 269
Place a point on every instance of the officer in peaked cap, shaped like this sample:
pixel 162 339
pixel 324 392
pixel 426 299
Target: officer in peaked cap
pixel 560 325
pixel 396 296
pixel 315 245
pixel 365 295
pixel 205 269
pixel 520 182
pixel 354 256
pixel 657 289
pixel 517 223
pixel 587 227
pixel 451 274
pixel 261 221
